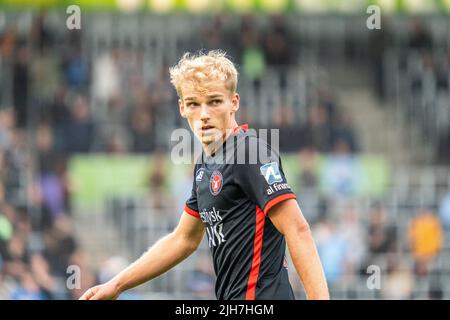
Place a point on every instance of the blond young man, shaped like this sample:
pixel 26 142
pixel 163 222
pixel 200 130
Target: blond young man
pixel 246 207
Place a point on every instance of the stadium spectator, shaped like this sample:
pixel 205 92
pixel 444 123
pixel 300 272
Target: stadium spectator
pixel 42 37
pixel 8 40
pixel 78 131
pixel 49 285
pixel 425 239
pixel 50 184
pixel 157 182
pixel 381 237
pixel 163 99
pixel 21 81
pixel 344 133
pixel 443 153
pixel 27 289
pixel 352 231
pixel 6 124
pixel 251 54
pixel 16 257
pixel 309 164
pixel 75 70
pixel 332 248
pixel 57 113
pixel 142 131
pixel 105 81
pixel 380 42
pixel 420 38
pixel 399 282
pixel 317 132
pixel 341 173
pixel 382 234
pixel 289 132
pixel 277 42
pixel 60 245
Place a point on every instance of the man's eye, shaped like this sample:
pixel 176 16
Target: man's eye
pixel 216 102
pixel 192 104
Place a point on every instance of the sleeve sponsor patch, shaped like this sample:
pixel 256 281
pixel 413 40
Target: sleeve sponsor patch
pixel 271 173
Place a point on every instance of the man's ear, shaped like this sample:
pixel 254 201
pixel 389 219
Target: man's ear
pixel 235 102
pixel 181 107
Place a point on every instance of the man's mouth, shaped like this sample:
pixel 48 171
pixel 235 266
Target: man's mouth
pixel 207 127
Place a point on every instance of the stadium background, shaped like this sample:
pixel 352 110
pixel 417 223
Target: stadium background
pixel 86 117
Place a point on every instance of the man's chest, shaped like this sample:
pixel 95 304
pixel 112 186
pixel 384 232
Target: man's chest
pixel 216 190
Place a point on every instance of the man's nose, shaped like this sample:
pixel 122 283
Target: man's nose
pixel 204 112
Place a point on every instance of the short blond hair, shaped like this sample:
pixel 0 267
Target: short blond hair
pixel 204 70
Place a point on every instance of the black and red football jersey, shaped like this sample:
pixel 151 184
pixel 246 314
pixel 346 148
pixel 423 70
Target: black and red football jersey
pixel 233 191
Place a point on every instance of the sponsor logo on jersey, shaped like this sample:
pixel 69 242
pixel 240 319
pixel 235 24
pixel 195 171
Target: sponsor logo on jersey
pixel 215 183
pixel 271 172
pixel 199 175
pixel 214 226
pixel 277 187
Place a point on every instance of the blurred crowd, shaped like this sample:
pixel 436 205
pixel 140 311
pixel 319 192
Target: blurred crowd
pixel 109 103
pixel 423 78
pixel 57 101
pixel 37 239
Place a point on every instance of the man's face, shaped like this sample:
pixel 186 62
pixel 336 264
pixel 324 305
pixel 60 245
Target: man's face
pixel 209 112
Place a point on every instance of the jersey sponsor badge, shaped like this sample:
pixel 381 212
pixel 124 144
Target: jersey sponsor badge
pixel 215 183
pixel 271 172
pixel 199 175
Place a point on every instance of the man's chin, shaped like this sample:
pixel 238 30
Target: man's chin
pixel 210 140
pixel 207 140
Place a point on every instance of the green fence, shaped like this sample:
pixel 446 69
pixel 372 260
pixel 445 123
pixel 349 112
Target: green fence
pixel 94 178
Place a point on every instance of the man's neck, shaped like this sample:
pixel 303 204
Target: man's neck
pixel 210 149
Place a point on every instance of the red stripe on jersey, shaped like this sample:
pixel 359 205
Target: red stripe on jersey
pixel 256 263
pixel 243 127
pixel 277 200
pixel 192 212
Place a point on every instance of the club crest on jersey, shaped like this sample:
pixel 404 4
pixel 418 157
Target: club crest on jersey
pixel 271 172
pixel 199 175
pixel 215 183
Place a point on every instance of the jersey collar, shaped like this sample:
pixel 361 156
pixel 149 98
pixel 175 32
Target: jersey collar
pixel 236 130
pixel 243 127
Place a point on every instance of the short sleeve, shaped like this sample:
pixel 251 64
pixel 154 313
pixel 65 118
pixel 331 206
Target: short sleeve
pixel 261 177
pixel 191 206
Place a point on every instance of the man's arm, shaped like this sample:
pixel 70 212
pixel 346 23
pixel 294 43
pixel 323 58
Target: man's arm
pixel 289 220
pixel 161 257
